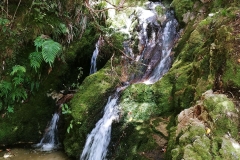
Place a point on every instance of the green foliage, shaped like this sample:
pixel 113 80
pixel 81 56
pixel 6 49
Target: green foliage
pixel 40 9
pixel 50 50
pixel 47 50
pixel 70 126
pixel 3 24
pixel 10 109
pixel 160 10
pixel 77 84
pixel 35 60
pixel 181 7
pixel 12 91
pixel 66 109
pixel 17 69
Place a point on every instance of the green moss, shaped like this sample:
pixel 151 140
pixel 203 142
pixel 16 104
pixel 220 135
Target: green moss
pixel 228 151
pixel 220 108
pixel 181 7
pixel 160 10
pixel 222 119
pixel 136 139
pixel 202 147
pixel 86 108
pixel 142 101
pixel 190 154
pixel 190 135
pixel 231 71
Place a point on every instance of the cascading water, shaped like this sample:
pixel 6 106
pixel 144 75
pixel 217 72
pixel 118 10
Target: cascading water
pixel 93 68
pixel 154 53
pixel 167 41
pixel 50 140
pixel 98 140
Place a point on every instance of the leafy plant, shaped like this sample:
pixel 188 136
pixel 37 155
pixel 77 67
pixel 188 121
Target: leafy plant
pixel 47 50
pixel 3 24
pixel 70 126
pixel 66 109
pixel 12 90
pixel 10 109
pixel 80 73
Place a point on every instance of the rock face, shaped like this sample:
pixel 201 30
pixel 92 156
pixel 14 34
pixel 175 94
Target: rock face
pixel 208 130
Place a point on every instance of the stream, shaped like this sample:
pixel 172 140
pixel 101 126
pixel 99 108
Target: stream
pixel 32 154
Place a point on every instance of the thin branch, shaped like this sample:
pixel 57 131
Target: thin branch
pixel 7 8
pixel 120 7
pixel 123 52
pixel 112 69
pixel 15 13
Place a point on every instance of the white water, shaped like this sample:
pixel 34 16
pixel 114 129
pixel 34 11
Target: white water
pixel 167 42
pixel 93 68
pixel 49 141
pixel 98 140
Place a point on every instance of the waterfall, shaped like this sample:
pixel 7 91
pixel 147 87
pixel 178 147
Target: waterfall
pixel 50 139
pixel 167 38
pixel 98 140
pixel 155 43
pixel 93 68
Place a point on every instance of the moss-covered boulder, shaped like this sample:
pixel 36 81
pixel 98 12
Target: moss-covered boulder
pixel 209 130
pixel 86 107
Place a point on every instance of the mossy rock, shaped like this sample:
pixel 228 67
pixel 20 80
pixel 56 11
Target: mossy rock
pixel 134 142
pixel 133 138
pixel 223 113
pixel 199 141
pixel 86 106
pixel 182 7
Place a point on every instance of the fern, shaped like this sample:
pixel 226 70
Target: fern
pixel 18 94
pixel 5 88
pixel 18 69
pixel 35 60
pixel 10 109
pixel 50 50
pixel 17 80
pixel 38 42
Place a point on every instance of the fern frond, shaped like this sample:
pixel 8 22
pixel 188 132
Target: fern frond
pixel 10 109
pixel 18 94
pixel 38 42
pixel 35 60
pixel 50 49
pixel 5 87
pixel 63 28
pixel 18 68
pixel 17 80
